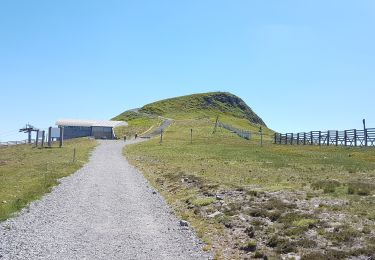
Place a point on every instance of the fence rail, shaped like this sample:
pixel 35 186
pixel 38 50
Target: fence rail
pixel 242 133
pixel 352 137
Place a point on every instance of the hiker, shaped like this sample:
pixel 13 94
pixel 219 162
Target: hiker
pixel 136 135
pixel 124 138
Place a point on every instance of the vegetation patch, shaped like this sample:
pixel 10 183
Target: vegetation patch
pixel 31 172
pixel 289 199
pixel 328 186
pixel 360 188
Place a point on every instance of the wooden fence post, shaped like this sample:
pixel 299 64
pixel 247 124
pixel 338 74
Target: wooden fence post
pixel 49 136
pixel 355 137
pixel 291 139
pixel 297 138
pixel 61 136
pixel 337 137
pixel 37 138
pixel 328 136
pixel 365 130
pixel 43 136
pixel 286 138
pixel 304 138
pixel 320 138
pixel 275 138
pixel 311 138
pixel 346 138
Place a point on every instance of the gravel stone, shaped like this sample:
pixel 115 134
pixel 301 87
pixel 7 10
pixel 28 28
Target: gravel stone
pixel 103 211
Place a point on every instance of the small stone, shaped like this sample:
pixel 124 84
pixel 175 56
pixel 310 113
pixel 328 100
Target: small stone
pixel 4 202
pixel 153 192
pixel 219 196
pixel 215 214
pixel 184 223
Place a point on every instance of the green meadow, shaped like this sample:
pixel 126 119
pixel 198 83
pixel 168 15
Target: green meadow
pixel 26 172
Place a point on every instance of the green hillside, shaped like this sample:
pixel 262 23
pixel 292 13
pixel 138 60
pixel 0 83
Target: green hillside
pixel 204 105
pixel 230 109
pixel 246 200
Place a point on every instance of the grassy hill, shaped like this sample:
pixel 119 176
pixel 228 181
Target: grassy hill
pixel 204 105
pixel 230 109
pixel 251 201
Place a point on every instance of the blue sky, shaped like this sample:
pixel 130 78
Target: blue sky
pixel 301 65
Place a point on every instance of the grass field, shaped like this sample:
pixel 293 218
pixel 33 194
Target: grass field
pixel 26 172
pixel 250 201
pixel 138 123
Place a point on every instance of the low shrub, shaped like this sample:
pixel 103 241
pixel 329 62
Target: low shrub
pixel 360 188
pixel 328 186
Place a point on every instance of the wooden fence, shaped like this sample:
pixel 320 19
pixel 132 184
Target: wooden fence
pixel 353 137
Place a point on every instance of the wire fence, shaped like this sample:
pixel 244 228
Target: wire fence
pixel 242 133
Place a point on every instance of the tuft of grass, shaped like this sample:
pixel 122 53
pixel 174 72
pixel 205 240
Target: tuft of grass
pixel 201 202
pixel 30 172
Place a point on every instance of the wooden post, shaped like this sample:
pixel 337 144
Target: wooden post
pixel 304 138
pixel 275 137
pixel 286 138
pixel 37 138
pixel 191 136
pixel 346 137
pixel 217 121
pixel 328 140
pixel 49 136
pixel 29 137
pixel 297 138
pixel 311 138
pixel 43 136
pixel 61 136
pixel 337 138
pixel 365 130
pixel 74 154
pixel 355 137
pixel 291 138
pixel 320 138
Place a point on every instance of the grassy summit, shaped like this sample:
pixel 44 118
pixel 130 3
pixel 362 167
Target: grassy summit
pixel 230 109
pixel 204 105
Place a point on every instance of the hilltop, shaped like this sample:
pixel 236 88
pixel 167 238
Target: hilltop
pixel 196 106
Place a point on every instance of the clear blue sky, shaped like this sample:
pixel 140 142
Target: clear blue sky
pixel 301 65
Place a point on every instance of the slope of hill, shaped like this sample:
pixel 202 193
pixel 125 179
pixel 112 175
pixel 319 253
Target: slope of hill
pixel 205 104
pixel 247 200
pixel 230 109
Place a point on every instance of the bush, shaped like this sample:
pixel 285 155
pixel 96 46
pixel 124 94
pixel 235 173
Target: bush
pixel 360 188
pixel 328 186
pixel 250 246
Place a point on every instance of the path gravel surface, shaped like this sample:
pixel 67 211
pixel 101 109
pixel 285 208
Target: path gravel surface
pixel 106 210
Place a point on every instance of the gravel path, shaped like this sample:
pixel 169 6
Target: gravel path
pixel 106 210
